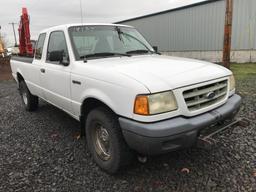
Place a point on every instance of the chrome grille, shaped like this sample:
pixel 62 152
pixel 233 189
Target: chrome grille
pixel 204 96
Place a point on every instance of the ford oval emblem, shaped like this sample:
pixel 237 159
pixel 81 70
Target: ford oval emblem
pixel 210 95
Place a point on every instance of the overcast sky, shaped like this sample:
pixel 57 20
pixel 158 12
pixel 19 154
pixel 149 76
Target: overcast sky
pixel 47 13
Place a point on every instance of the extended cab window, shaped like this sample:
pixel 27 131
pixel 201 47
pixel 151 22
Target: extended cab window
pixel 57 42
pixel 40 46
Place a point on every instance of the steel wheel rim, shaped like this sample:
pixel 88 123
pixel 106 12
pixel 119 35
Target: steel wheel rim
pixel 101 141
pixel 24 97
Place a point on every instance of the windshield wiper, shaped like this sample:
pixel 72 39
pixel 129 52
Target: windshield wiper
pixel 119 32
pixel 147 50
pixel 104 54
pixel 139 51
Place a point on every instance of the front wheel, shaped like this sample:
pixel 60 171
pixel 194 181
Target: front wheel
pixel 105 140
pixel 30 101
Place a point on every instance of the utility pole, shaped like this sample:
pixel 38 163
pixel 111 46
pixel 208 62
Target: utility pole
pixel 12 23
pixel 227 33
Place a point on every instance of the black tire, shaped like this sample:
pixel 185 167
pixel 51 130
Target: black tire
pixel 30 101
pixel 120 154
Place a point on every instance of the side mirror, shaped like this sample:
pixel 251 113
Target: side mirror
pixel 56 56
pixel 59 57
pixel 155 48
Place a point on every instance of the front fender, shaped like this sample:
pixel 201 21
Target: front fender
pixel 101 96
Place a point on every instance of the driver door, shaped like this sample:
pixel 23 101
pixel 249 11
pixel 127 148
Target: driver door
pixel 55 77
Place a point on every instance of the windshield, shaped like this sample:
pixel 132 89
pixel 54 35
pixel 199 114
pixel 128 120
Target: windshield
pixel 107 41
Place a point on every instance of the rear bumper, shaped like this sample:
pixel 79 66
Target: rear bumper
pixel 172 134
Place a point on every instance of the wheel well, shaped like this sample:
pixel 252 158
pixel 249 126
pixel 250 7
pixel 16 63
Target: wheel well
pixel 88 105
pixel 92 103
pixel 19 77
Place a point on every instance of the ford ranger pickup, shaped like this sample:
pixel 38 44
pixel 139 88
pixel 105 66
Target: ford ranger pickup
pixel 128 98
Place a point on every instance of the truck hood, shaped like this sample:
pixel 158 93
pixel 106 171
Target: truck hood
pixel 159 73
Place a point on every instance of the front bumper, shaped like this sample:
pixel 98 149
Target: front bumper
pixel 178 132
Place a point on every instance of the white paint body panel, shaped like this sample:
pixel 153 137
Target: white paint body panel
pixel 117 81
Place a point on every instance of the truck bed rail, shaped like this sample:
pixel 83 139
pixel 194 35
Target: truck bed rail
pixel 22 59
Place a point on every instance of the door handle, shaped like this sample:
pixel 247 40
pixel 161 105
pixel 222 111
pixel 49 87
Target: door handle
pixel 76 82
pixel 42 70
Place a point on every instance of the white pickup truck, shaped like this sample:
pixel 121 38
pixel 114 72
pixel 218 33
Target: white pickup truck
pixel 128 98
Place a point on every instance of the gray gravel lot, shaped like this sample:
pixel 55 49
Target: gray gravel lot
pixel 39 151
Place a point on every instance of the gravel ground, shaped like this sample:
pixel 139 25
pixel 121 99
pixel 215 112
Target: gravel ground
pixel 40 151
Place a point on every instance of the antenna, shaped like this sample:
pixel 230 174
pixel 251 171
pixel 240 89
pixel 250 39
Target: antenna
pixel 81 11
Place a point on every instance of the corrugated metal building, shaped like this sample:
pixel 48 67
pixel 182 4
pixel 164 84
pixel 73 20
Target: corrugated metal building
pixel 197 30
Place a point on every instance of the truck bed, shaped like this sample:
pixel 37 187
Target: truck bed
pixel 22 59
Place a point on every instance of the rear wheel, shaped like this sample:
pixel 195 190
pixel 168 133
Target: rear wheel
pixel 105 140
pixel 30 101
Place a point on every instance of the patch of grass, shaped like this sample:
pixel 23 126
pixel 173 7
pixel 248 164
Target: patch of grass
pixel 243 71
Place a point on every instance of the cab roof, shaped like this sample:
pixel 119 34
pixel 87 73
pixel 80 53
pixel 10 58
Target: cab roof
pixel 66 26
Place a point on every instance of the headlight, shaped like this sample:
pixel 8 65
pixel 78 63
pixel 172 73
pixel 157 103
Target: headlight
pixel 232 83
pixel 155 103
